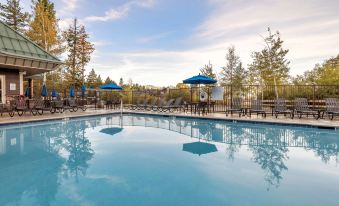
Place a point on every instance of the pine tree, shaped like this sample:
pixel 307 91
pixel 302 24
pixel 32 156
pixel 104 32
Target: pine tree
pixel 79 50
pixel 207 70
pixel 99 81
pixel 91 80
pixel 233 73
pixel 85 50
pixel 12 14
pixel 109 81
pixel 270 66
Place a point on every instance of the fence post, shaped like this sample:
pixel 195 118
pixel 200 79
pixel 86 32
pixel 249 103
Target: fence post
pixel 313 96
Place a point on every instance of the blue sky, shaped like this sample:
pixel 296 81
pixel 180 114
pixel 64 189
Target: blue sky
pixel 161 42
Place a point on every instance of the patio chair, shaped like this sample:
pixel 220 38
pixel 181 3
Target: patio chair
pixel 236 107
pixel 38 107
pixel 257 108
pixel 135 106
pixel 158 106
pixel 166 106
pixel 151 105
pixel 57 106
pixel 82 104
pixel 332 107
pixel 20 106
pixel 280 107
pixel 301 107
pixel 175 106
pixel 72 105
pixel 143 105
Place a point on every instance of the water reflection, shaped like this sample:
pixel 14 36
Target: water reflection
pixel 60 151
pixel 269 144
pixel 39 154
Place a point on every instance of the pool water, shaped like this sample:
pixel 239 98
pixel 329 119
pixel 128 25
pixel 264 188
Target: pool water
pixel 154 160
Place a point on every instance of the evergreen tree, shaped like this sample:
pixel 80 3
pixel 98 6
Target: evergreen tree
pixel 109 81
pixel 207 70
pixel 91 80
pixel 99 81
pixel 233 73
pixel 79 50
pixel 270 66
pixel 12 14
pixel 85 50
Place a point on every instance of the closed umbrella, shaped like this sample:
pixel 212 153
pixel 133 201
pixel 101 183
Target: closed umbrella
pixel 54 93
pixel 83 90
pixel 27 92
pixel 44 92
pixel 72 92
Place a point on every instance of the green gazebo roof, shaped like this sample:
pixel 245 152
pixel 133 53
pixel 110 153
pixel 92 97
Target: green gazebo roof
pixel 15 44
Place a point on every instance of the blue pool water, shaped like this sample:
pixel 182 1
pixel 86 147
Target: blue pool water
pixel 150 160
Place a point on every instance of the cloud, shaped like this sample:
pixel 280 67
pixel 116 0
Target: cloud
pixel 68 6
pixel 309 28
pixel 152 38
pixel 121 11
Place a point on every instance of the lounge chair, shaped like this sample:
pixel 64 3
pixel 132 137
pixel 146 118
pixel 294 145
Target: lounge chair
pixel 176 105
pixel 301 107
pixel 135 106
pixel 72 105
pixel 257 108
pixel 38 107
pixel 57 105
pixel 166 106
pixel 158 106
pixel 236 107
pixel 332 107
pixel 151 105
pixel 143 105
pixel 281 108
pixel 20 106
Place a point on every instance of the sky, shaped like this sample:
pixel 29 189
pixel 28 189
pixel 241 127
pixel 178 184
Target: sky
pixel 162 42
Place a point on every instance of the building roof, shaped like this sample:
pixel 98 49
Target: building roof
pixel 16 44
pixel 19 53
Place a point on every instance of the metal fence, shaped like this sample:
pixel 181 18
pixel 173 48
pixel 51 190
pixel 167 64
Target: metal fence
pixel 314 93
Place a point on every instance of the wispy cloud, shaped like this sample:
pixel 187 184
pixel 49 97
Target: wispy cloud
pixel 152 38
pixel 121 11
pixel 68 6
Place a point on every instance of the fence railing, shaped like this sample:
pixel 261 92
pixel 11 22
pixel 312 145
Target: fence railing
pixel 268 93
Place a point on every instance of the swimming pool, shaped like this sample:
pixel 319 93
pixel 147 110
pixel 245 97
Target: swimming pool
pixel 156 160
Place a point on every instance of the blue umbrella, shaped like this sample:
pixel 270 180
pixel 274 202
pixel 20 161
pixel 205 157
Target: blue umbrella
pixel 44 92
pixel 200 79
pixel 27 92
pixel 54 93
pixel 111 86
pixel 83 90
pixel 72 92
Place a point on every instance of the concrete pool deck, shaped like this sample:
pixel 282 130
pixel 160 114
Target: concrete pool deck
pixel 47 116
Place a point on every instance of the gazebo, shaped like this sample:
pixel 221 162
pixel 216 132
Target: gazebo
pixel 21 59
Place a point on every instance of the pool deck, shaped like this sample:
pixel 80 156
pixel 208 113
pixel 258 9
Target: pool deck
pixel 326 123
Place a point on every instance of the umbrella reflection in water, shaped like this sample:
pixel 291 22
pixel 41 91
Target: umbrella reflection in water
pixel 199 148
